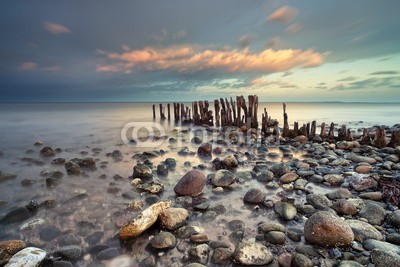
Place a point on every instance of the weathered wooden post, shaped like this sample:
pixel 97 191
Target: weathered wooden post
pixel 349 136
pixel 380 137
pixel 216 110
pixel 331 134
pixel 169 111
pixel 342 133
pixel 239 114
pixel 285 122
pixel 250 111
pixel 366 138
pixel 394 139
pixel 154 111
pixel 313 129
pixel 255 110
pixel 323 134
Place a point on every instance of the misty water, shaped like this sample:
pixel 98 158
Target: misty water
pixel 94 129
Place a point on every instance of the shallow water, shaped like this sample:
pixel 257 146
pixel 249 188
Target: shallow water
pixel 93 130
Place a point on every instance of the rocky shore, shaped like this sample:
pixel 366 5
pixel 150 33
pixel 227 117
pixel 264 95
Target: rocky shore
pixel 215 202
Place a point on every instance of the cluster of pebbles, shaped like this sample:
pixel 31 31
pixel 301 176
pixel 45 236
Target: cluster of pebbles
pixel 300 203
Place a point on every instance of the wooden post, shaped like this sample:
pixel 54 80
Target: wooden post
pixel 285 122
pixel 250 113
pixel 255 110
pixel 394 139
pixel 233 105
pixel 366 138
pixel 169 111
pixel 154 111
pixel 216 110
pixel 380 137
pixel 182 110
pixel 295 129
pixel 313 129
pixel 331 134
pixel 342 133
pixel 239 114
pixel 349 136
pixel 323 131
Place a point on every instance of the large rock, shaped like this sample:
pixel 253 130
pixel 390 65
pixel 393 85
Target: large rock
pixel 163 240
pixel 363 231
pixel 72 168
pixel 318 201
pixel 327 230
pixel 394 218
pixel 254 196
pixel 382 258
pixel 142 171
pixel 4 176
pixel 286 210
pixel 371 244
pixel 16 215
pixel 28 257
pixel 47 151
pixel 374 213
pixel 191 184
pixel 252 253
pixel 143 221
pixel 223 178
pixel 205 150
pixel 9 248
pixel 356 158
pixel 173 218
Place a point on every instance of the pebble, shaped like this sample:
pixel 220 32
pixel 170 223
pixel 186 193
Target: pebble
pixel 222 178
pixel 108 254
pixel 28 257
pixel 363 230
pixel 199 253
pixel 254 196
pixel 285 210
pixel 327 230
pixel 374 213
pixel 72 252
pixel 163 240
pixel 252 253
pixel 191 184
pixel 173 218
pixel 221 256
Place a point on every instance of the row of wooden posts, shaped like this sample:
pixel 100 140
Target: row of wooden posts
pixel 226 113
pixel 239 113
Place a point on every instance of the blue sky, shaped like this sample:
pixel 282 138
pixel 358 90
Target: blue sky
pixel 185 50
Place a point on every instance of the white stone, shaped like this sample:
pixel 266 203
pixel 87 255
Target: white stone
pixel 28 257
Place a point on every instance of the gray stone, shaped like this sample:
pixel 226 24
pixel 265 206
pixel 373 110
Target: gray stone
pixel 199 253
pixel 252 253
pixel 382 258
pixel 371 244
pixel 108 254
pixel 72 252
pixel 363 231
pixel 318 201
pixel 223 178
pixel 28 257
pixel 163 240
pixel 374 213
pixel 286 210
pixel 275 237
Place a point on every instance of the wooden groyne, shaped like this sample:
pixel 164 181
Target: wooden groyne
pixel 238 112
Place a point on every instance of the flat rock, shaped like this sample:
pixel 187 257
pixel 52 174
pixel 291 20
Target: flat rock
pixel 382 258
pixel 191 184
pixel 339 193
pixel 363 230
pixel 356 158
pixel 223 178
pixel 394 218
pixel 173 218
pixel 4 176
pixel 327 230
pixel 371 244
pixel 143 221
pixel 28 257
pixel 288 177
pixel 252 253
pixel 334 179
pixel 163 240
pixel 72 252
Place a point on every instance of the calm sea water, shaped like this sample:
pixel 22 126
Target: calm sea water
pixel 73 124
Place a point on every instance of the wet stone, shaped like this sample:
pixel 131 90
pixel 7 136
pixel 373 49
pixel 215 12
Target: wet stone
pixel 252 253
pixel 318 201
pixel 374 213
pixel 49 233
pixel 236 225
pixel 199 253
pixel 221 256
pixel 254 196
pixel 275 237
pixel 163 240
pixel 47 151
pixel 69 252
pixel 285 210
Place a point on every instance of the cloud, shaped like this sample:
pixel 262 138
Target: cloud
pixel 294 28
pixel 165 35
pixel 192 59
pixel 284 14
pixel 273 42
pixel 281 84
pixel 347 79
pixel 28 66
pixel 389 72
pixel 371 83
pixel 55 28
pixel 245 40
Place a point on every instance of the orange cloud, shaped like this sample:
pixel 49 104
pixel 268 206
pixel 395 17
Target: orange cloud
pixel 284 14
pixel 55 28
pixel 190 59
pixel 28 66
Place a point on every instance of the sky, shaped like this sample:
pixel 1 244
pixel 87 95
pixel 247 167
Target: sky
pixel 181 50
